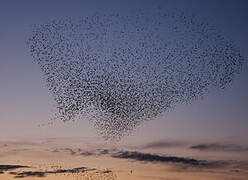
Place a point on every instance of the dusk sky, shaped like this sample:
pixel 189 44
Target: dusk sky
pixel 203 138
pixel 25 102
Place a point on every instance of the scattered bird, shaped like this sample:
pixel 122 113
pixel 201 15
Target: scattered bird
pixel 119 70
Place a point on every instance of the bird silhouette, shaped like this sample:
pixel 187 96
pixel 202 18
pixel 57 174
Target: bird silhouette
pixel 122 70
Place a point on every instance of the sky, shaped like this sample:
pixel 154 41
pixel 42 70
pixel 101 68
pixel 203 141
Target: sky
pixel 25 102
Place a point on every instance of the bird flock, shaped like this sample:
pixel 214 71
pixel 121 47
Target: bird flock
pixel 119 71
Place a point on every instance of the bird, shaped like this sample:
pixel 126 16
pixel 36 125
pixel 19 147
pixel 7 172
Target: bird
pixel 122 70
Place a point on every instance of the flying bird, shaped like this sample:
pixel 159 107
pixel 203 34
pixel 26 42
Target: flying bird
pixel 122 70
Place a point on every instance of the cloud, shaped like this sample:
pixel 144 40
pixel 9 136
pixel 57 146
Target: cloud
pixel 44 173
pixel 19 150
pixel 72 152
pixel 220 147
pixel 25 174
pixel 138 156
pixel 55 150
pixel 162 144
pixel 5 145
pixel 28 174
pixel 11 167
pixel 79 151
pixel 103 152
pixel 87 153
pixel 20 143
pixel 98 152
pixel 107 171
pixel 155 158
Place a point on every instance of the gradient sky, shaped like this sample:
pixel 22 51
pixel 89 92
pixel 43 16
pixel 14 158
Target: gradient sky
pixel 25 101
